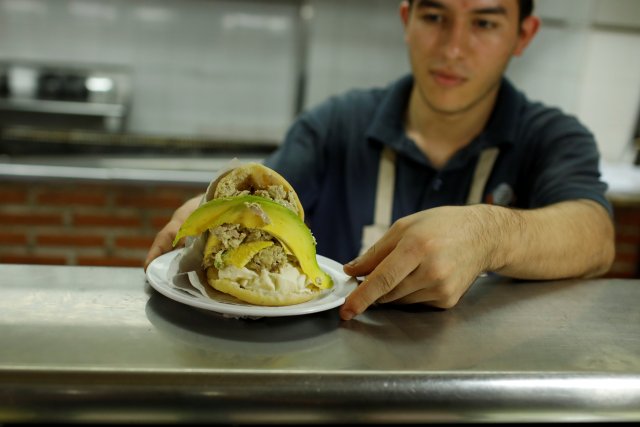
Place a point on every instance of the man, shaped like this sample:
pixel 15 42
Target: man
pixel 473 176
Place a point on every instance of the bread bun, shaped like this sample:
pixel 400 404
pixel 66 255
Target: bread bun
pixel 252 178
pixel 263 296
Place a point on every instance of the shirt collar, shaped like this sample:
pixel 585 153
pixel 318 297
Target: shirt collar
pixel 502 127
pixel 388 123
pixel 387 126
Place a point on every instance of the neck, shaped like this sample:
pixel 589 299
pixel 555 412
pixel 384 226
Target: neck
pixel 439 134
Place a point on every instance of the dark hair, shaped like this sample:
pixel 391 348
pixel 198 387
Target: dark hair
pixel 526 8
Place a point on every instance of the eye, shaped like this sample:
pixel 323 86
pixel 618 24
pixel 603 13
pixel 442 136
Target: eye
pixel 485 24
pixel 432 18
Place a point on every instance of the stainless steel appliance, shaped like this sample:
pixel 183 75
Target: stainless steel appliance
pixel 64 96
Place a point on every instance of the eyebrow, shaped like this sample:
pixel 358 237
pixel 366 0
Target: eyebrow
pixel 497 10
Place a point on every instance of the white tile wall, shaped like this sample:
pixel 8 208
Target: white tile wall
pixel 551 68
pixel 354 43
pixel 610 95
pixel 227 68
pixel 589 72
pixel 200 67
pixel 617 12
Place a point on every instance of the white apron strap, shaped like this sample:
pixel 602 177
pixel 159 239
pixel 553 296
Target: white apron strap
pixel 383 208
pixel 383 214
pixel 481 174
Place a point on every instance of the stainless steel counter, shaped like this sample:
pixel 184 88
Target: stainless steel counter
pixel 94 344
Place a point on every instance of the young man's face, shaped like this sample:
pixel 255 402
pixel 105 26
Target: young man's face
pixel 459 49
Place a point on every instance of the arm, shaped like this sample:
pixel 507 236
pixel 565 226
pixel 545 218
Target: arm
pixel 433 256
pixel 164 239
pixel 568 239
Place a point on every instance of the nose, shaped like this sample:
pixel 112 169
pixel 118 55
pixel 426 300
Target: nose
pixel 456 40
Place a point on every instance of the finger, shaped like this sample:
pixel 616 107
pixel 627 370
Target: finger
pixel 161 244
pixel 366 262
pixel 153 253
pixel 158 247
pixel 430 297
pixel 440 293
pixel 414 282
pixel 383 279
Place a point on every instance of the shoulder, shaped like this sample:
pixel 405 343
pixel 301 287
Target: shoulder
pixel 558 156
pixel 553 122
pixel 347 119
pixel 328 128
pixel 541 122
pixel 347 107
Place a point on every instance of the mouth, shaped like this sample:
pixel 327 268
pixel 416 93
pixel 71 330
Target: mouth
pixel 447 78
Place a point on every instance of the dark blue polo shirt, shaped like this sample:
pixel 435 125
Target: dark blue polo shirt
pixel 332 152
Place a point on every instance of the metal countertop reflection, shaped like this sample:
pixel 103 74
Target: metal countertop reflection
pixel 96 344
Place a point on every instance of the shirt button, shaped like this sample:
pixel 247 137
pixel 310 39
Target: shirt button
pixel 437 184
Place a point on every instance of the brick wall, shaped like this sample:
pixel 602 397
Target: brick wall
pixel 627 221
pixel 114 224
pixel 84 224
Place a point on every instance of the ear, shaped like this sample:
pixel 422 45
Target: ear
pixel 528 29
pixel 405 13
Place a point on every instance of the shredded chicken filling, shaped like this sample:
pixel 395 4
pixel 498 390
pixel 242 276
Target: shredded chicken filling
pixel 230 236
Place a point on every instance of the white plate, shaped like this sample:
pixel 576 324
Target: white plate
pixel 342 286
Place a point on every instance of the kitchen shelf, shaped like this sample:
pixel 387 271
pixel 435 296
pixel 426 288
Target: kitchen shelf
pixel 63 107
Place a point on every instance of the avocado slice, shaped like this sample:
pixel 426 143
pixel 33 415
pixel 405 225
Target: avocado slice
pixel 264 214
pixel 240 256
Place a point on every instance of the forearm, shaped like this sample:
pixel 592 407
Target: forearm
pixel 568 239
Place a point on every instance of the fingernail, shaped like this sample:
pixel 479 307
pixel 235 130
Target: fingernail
pixel 346 315
pixel 353 262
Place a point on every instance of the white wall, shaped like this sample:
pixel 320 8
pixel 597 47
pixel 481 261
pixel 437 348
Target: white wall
pixel 586 60
pixel 610 98
pixel 227 68
pixel 200 67
pixel 354 43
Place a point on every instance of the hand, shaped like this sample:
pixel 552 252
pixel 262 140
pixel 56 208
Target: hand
pixel 164 239
pixel 431 257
